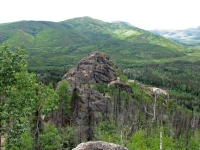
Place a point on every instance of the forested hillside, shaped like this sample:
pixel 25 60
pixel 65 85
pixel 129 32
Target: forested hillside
pixel 80 33
pixel 52 49
pixel 94 101
pixel 187 37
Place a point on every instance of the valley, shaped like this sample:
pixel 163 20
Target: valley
pixel 54 48
pixel 77 76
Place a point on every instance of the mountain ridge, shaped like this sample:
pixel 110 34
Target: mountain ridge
pixel 122 23
pixel 62 43
pixel 187 37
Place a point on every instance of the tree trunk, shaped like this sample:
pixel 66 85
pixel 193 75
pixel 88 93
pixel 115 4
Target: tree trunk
pixel 36 129
pixel 115 116
pixel 161 147
pixel 90 120
pixel 119 102
pixel 62 115
pixel 79 133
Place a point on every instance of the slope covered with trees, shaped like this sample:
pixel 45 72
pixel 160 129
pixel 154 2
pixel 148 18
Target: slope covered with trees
pixel 51 44
pixel 23 101
pixel 53 48
pixel 35 116
pixel 32 111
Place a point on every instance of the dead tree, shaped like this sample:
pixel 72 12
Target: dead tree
pixel 156 95
pixel 90 119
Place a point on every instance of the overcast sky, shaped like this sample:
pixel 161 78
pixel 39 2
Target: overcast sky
pixel 145 14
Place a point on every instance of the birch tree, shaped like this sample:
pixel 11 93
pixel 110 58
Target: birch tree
pixel 64 101
pixel 22 97
pixel 11 63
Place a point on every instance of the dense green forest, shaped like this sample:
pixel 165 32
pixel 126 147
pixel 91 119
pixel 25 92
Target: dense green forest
pixel 35 116
pixel 32 99
pixel 54 48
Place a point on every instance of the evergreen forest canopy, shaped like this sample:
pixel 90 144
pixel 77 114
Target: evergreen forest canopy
pixel 54 48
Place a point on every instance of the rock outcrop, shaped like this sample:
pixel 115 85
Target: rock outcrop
pixel 99 145
pixel 97 103
pixel 94 68
pixel 89 106
pixel 121 86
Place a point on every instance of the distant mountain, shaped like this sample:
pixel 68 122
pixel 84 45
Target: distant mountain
pixel 38 34
pixel 122 23
pixel 124 41
pixel 188 37
pixel 54 48
pixel 52 44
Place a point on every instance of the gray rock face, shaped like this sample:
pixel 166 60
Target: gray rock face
pixel 98 103
pixel 93 68
pixel 122 86
pixel 99 145
pixel 90 106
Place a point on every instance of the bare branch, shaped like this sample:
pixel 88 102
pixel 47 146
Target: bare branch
pixel 147 111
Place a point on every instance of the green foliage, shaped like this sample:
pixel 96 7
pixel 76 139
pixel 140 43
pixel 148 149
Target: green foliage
pixel 72 39
pixel 68 136
pixel 50 139
pixel 50 102
pixel 194 143
pixel 119 74
pixel 64 96
pixel 138 141
pixel 102 87
pixel 181 80
pixel 26 140
pixel 105 131
pixel 151 59
pixel 11 62
pixel 136 91
pixel 11 102
pixel 21 96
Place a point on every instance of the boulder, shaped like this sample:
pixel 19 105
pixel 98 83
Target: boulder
pixel 99 145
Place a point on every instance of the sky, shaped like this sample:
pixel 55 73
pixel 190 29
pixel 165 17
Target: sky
pixel 145 14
